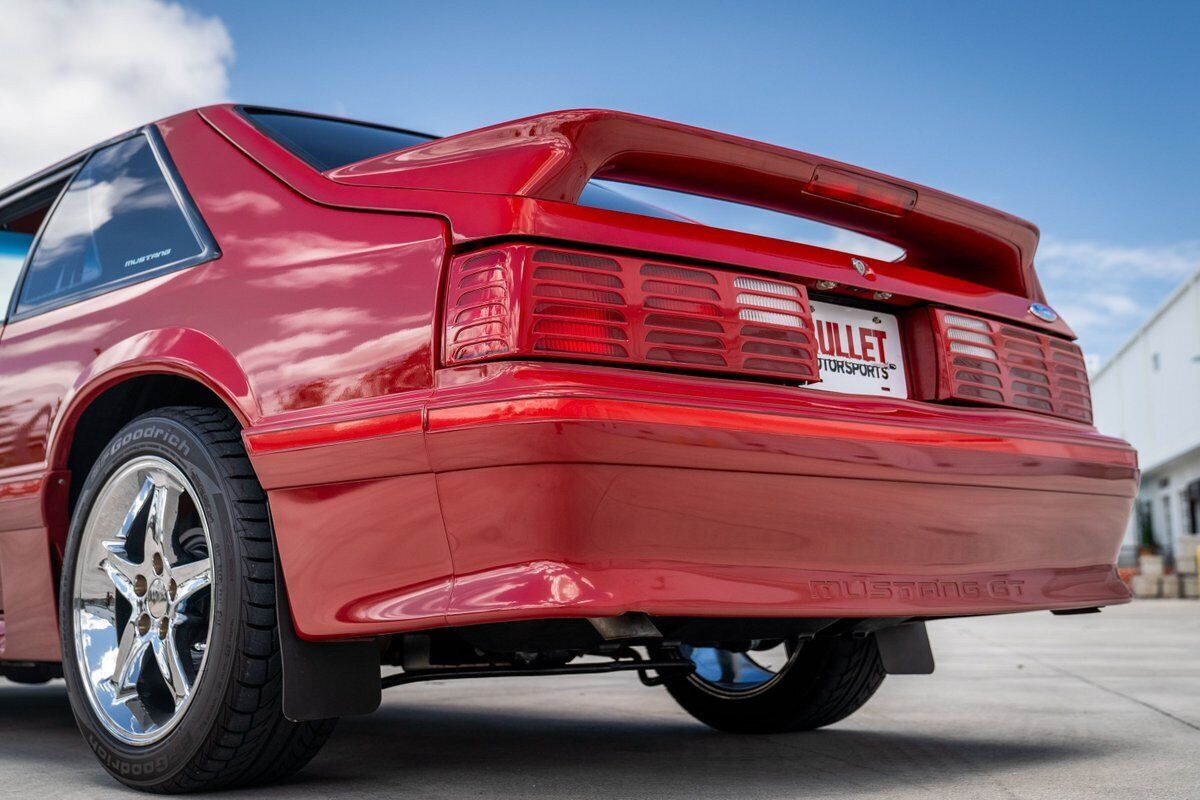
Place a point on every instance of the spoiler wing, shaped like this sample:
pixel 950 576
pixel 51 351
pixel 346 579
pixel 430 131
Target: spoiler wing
pixel 553 156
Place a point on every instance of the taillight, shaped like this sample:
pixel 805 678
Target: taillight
pixel 984 361
pixel 524 301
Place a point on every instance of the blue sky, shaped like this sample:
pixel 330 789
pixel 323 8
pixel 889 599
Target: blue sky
pixel 1083 117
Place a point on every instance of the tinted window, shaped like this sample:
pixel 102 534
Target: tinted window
pixel 118 219
pixel 595 195
pixel 13 248
pixel 329 143
pixel 740 217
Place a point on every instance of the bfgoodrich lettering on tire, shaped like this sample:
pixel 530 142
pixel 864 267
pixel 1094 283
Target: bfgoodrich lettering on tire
pixel 167 614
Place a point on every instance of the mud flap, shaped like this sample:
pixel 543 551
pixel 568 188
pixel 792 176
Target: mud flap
pixel 323 680
pixel 904 649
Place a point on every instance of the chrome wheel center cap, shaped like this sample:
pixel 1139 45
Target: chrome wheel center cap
pixel 157 602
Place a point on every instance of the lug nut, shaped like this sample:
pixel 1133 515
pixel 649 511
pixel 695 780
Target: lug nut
pixel 158 564
pixel 164 626
pixel 143 624
pixel 140 585
pixel 172 588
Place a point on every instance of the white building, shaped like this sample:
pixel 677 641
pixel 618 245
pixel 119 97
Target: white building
pixel 1149 394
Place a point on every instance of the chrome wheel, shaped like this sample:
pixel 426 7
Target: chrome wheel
pixel 142 602
pixel 729 673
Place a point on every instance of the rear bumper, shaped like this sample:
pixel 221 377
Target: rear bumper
pixel 586 492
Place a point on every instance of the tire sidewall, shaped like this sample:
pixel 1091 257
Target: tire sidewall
pixel 716 707
pixel 160 434
pixel 797 700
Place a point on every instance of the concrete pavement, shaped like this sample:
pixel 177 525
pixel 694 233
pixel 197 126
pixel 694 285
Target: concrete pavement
pixel 1027 706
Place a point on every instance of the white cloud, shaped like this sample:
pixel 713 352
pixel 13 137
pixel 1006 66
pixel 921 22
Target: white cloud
pixel 1105 291
pixel 79 71
pixel 1086 259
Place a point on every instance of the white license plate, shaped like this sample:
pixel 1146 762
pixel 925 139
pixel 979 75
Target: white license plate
pixel 859 351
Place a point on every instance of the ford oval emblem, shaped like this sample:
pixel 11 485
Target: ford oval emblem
pixel 1043 312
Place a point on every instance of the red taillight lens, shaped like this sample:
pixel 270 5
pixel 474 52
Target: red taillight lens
pixel 983 361
pixel 529 301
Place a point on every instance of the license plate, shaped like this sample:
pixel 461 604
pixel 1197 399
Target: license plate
pixel 859 351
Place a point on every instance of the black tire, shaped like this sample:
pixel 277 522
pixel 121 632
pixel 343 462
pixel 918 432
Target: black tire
pixel 233 733
pixel 825 681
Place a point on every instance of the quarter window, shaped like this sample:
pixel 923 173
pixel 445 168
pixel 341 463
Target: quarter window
pixel 117 221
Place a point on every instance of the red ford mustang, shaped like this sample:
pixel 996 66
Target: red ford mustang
pixel 295 408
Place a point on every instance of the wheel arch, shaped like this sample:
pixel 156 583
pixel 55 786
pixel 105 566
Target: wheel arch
pixel 187 368
pixel 152 370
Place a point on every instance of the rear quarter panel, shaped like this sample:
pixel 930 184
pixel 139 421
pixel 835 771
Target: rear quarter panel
pixel 319 308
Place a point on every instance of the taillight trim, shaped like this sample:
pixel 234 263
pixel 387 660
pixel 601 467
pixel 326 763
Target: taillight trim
pixel 988 362
pixel 471 305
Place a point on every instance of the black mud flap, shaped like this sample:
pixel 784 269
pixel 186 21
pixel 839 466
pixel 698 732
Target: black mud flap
pixel 323 680
pixel 904 649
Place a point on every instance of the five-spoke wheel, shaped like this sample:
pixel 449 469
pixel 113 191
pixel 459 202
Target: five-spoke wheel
pixel 168 615
pixel 142 599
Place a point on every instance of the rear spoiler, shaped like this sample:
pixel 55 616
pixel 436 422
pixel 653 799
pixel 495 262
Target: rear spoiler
pixel 553 156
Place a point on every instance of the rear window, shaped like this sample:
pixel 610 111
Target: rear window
pixel 740 217
pixel 597 195
pixel 327 143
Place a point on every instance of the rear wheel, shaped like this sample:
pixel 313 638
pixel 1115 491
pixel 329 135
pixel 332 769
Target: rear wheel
pixel 795 685
pixel 168 623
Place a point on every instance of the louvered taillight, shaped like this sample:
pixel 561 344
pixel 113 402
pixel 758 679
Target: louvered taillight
pixel 527 301
pixel 995 363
